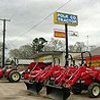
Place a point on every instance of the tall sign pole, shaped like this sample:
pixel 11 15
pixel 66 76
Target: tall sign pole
pixel 3 48
pixel 66 38
pixel 65 19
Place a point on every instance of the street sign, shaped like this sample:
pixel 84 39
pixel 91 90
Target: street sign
pixel 64 18
pixel 73 33
pixel 59 34
pixel 62 34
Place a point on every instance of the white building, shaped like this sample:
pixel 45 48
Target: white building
pixel 48 57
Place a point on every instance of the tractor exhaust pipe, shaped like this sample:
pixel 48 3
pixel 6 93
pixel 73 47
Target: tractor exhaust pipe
pixel 57 93
pixel 34 87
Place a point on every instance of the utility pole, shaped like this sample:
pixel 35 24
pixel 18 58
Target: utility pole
pixel 3 48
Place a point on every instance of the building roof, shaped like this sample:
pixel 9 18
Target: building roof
pixel 47 53
pixel 95 51
pixel 44 53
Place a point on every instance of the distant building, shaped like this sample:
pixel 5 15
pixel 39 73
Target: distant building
pixel 48 56
pixel 24 61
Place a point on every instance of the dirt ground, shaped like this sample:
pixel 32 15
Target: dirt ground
pixel 18 91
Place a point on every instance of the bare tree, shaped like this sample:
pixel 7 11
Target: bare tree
pixel 55 45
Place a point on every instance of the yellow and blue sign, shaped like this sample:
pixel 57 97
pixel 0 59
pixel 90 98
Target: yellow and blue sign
pixel 64 18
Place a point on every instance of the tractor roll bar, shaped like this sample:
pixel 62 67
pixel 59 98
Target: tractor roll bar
pixel 90 56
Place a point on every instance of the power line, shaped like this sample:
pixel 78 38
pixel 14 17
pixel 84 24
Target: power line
pixel 37 24
pixel 44 19
pixel 10 43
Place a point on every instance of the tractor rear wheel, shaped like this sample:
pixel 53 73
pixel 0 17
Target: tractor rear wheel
pixel 14 76
pixel 94 90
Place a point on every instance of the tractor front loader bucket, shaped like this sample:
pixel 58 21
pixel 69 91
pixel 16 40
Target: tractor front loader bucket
pixel 57 93
pixel 34 87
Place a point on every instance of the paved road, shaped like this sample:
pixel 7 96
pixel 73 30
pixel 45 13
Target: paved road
pixel 18 91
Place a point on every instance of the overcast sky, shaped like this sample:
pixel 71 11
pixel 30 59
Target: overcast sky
pixel 34 18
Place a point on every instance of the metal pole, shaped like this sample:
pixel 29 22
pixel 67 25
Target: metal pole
pixel 3 49
pixel 66 34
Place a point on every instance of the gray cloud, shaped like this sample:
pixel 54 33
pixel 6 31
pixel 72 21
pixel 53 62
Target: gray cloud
pixel 25 14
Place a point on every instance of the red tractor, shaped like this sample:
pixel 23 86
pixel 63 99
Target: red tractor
pixel 39 78
pixel 82 78
pixel 33 67
pixel 35 70
pixel 12 74
pixel 60 81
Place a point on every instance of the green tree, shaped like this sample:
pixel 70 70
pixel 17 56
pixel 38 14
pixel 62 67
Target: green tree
pixel 27 51
pixel 38 44
pixel 79 46
pixel 24 52
pixel 71 48
pixel 14 53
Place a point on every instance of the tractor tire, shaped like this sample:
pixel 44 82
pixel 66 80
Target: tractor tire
pixel 14 76
pixel 94 90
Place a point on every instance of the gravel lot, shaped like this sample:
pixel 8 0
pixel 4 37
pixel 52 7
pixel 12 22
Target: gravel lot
pixel 18 91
